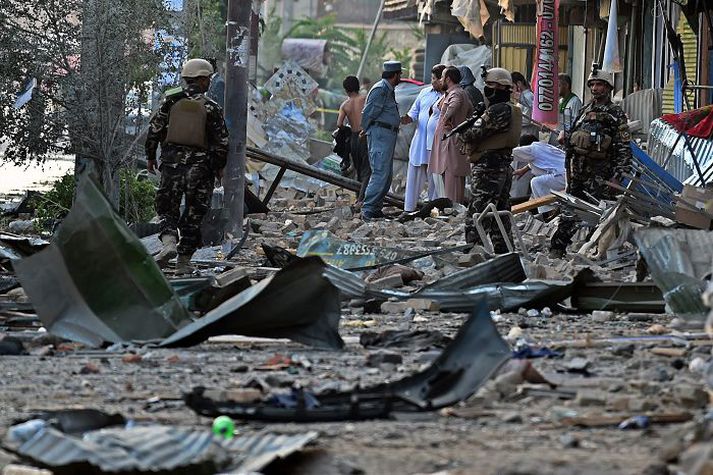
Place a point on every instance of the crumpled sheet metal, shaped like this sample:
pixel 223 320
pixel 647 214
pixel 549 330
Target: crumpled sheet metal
pixel 95 283
pixel 678 260
pixel 157 449
pixel 298 302
pixel 471 288
pixel 475 354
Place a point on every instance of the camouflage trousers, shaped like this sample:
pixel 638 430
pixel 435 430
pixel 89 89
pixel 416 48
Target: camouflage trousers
pixel 489 185
pixel 585 177
pixel 195 182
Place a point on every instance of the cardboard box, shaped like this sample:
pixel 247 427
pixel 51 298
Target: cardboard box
pixel 695 207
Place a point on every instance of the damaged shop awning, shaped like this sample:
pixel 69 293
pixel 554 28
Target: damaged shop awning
pixel 469 361
pixel 95 283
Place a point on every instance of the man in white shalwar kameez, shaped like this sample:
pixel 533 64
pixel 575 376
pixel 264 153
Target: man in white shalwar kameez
pixel 420 150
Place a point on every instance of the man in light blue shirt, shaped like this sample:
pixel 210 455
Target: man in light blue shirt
pixel 420 150
pixel 380 123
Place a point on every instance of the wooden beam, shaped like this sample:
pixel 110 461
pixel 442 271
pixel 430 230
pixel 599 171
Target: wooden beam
pixel 534 203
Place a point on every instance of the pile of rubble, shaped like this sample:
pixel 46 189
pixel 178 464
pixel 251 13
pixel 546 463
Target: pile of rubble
pixel 364 347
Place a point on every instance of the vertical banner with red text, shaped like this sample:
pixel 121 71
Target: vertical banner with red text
pixel 545 78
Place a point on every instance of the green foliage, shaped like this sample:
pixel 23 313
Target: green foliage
pixel 206 29
pixel 137 197
pixel 136 203
pixel 55 204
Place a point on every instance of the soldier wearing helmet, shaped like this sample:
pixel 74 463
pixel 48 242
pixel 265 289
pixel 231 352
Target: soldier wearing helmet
pixel 488 144
pixel 597 151
pixel 194 146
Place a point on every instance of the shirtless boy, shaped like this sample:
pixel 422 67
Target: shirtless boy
pixel 350 110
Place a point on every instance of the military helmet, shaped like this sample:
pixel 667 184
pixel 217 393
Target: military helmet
pixel 600 75
pixel 499 75
pixel 195 68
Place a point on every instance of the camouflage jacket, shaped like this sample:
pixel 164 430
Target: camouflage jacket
pixel 495 120
pixel 610 121
pixel 216 151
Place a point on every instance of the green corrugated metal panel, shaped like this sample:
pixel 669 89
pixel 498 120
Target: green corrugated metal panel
pixel 525 34
pixel 690 54
pixel 514 58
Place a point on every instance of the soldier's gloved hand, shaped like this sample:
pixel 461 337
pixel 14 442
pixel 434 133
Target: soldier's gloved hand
pixel 151 166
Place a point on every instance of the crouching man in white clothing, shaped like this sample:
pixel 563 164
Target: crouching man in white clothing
pixel 547 165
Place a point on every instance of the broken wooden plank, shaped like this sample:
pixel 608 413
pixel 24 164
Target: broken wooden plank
pixel 533 203
pixel 672 352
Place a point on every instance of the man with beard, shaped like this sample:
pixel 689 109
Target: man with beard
pixel 488 144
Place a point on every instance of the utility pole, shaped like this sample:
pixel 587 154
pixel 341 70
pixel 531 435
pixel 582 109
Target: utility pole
pixel 236 107
pixel 365 53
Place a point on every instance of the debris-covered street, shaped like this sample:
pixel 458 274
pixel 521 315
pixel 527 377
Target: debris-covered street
pixel 423 237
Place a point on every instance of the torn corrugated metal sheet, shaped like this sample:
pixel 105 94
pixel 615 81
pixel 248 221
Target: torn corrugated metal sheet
pixel 298 302
pixel 668 148
pixel 475 285
pixel 476 353
pixel 95 283
pixel 123 296
pixel 156 450
pixel 501 268
pixel 679 260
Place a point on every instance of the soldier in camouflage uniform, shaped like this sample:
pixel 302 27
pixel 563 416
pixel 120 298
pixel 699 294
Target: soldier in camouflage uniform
pixel 194 145
pixel 597 151
pixel 488 144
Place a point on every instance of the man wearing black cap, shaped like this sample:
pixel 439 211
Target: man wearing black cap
pixel 380 123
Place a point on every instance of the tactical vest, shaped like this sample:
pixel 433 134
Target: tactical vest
pixel 507 140
pixel 589 140
pixel 187 122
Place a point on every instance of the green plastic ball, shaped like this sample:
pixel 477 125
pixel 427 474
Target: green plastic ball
pixel 223 426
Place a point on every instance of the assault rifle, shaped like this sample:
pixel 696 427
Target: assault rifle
pixel 479 111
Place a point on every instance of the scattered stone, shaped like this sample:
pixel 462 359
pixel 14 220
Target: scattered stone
pixel 469 260
pixel 25 226
pixel 533 313
pixel 602 316
pixel 578 365
pixel 17 295
pixel 426 305
pixel 132 358
pixel 569 441
pixel 89 368
pixel 374 360
pixel 591 397
pixel 698 365
pixel 657 329
pixel 546 312
pixel 514 334
pixel 626 351
pixel 512 418
pixel 691 397
pixel 394 307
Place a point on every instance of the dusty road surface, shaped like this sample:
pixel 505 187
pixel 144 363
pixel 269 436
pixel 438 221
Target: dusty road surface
pixel 564 423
